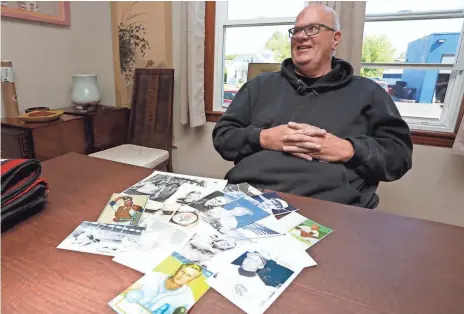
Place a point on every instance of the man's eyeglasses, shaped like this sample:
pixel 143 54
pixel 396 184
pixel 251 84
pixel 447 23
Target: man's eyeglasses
pixel 310 30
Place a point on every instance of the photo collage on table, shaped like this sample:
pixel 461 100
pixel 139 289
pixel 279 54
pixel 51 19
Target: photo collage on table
pixel 188 233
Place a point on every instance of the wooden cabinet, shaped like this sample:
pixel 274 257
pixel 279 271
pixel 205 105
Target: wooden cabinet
pixel 75 131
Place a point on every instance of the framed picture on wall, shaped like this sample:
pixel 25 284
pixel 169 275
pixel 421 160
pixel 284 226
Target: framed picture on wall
pixel 51 12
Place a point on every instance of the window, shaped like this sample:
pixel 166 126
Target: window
pixel 244 32
pixel 415 52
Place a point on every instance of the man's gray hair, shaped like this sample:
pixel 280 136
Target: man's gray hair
pixel 335 18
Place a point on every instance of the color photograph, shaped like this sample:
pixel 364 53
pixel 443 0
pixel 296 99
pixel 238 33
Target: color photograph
pixel 172 287
pixel 272 203
pixel 310 232
pixel 124 209
pixel 254 277
pixel 257 230
pixel 242 190
pixel 233 215
pixel 305 230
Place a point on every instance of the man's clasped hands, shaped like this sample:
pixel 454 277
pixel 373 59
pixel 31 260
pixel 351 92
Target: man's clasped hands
pixel 307 142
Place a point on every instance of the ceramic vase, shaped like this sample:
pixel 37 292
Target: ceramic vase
pixel 85 90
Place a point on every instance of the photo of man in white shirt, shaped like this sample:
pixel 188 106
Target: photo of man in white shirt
pixel 162 293
pixel 252 279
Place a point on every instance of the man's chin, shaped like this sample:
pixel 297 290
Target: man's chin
pixel 302 61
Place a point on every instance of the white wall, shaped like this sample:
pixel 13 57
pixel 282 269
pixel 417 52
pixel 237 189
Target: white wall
pixel 45 56
pixel 433 189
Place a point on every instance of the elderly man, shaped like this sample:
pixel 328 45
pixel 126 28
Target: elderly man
pixel 314 128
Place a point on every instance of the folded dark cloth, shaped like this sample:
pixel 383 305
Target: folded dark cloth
pixel 23 192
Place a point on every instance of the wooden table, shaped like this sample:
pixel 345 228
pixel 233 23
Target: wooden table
pixel 373 262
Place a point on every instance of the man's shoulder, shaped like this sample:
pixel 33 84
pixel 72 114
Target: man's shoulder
pixel 366 84
pixel 265 78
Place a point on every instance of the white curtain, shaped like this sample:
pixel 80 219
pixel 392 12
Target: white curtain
pixel 191 51
pixel 351 15
pixel 458 146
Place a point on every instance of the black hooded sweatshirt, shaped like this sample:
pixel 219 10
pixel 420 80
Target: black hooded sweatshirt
pixel 351 107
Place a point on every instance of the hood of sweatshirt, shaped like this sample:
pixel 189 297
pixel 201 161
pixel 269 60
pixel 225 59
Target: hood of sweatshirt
pixel 340 75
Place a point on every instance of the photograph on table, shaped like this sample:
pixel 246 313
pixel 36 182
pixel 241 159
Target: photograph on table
pixel 242 190
pixel 185 218
pixel 212 200
pixel 300 257
pixel 160 186
pixel 124 209
pixel 233 215
pixel 158 241
pixel 147 216
pixel 305 230
pixel 272 203
pixel 266 227
pixel 206 244
pixel 187 195
pixel 165 214
pixel 248 189
pixel 172 287
pixel 101 238
pixel 254 277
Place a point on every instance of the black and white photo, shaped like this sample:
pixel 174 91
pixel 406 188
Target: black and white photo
pixel 160 186
pixel 204 246
pixel 157 241
pixel 186 196
pixel 101 238
pixel 185 218
pixel 212 200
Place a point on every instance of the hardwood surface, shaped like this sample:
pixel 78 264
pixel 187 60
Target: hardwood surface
pixel 44 141
pixel 372 263
pixel 106 127
pixel 16 143
pixel 17 123
pixel 76 131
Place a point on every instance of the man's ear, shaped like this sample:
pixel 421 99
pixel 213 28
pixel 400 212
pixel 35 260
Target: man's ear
pixel 336 40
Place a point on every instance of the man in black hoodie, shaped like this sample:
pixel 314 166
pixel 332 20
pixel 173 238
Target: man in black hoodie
pixel 315 129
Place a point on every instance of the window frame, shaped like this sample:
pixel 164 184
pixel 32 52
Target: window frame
pixel 429 131
pixel 426 135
